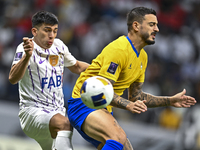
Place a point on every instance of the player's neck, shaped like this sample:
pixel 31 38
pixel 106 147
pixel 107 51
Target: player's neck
pixel 136 41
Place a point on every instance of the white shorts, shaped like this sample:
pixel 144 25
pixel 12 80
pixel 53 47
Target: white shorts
pixel 35 124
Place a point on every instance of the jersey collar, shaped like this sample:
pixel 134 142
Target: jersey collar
pixel 136 52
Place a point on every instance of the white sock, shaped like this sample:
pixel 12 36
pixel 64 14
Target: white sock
pixel 63 140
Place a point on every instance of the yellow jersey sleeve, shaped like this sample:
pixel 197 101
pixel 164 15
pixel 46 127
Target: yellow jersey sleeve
pixel 113 62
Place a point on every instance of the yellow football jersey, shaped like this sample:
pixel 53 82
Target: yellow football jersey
pixel 118 61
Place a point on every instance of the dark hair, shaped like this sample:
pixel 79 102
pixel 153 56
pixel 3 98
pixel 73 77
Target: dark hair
pixel 42 17
pixel 137 14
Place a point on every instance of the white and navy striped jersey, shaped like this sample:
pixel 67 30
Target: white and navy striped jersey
pixel 41 85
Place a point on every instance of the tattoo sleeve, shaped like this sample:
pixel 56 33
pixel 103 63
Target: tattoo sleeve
pixel 119 101
pixel 135 93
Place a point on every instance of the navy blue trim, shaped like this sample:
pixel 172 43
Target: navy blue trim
pixel 133 47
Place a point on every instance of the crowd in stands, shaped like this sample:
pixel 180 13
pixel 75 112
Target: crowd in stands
pixel 86 26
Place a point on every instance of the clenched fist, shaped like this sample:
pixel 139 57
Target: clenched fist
pixel 28 46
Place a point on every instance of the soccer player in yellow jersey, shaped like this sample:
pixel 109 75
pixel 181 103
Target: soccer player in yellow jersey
pixel 123 62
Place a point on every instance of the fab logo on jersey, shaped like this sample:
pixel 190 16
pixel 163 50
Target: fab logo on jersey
pixel 53 59
pixel 50 81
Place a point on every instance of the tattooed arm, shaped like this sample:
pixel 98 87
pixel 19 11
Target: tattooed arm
pixel 134 107
pixel 179 100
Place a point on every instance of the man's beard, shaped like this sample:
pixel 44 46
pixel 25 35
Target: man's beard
pixel 145 37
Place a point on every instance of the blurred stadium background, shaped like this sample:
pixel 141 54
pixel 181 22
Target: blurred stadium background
pixel 86 26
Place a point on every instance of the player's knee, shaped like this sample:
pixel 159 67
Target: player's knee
pixel 59 123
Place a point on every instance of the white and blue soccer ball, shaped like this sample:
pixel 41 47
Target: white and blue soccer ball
pixel 97 92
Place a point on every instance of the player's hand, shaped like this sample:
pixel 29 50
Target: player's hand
pixel 28 46
pixel 137 106
pixel 182 100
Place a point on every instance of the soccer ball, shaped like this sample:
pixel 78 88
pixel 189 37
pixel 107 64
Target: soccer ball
pixel 97 92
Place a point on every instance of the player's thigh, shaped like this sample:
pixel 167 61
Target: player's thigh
pixel 58 123
pixel 39 123
pixel 101 125
pixel 35 122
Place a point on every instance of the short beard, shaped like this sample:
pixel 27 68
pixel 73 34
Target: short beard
pixel 145 38
pixel 149 42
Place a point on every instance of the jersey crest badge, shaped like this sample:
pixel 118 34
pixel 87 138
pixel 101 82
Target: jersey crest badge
pixel 141 66
pixel 112 68
pixel 53 60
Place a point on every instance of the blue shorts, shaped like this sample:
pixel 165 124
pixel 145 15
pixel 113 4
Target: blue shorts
pixel 77 112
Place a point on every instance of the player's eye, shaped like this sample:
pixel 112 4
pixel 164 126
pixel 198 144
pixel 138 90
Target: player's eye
pixel 55 31
pixel 46 30
pixel 151 24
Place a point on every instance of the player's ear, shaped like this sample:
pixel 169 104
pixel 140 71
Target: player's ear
pixel 34 31
pixel 135 26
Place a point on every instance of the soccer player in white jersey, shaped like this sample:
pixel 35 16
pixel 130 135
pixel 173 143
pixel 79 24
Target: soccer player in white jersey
pixel 38 67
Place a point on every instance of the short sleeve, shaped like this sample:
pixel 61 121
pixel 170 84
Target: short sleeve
pixel 18 55
pixel 141 78
pixel 69 60
pixel 112 64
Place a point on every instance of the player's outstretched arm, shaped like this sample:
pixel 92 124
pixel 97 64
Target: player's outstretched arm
pixel 178 100
pixel 17 71
pixel 182 100
pixel 79 67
